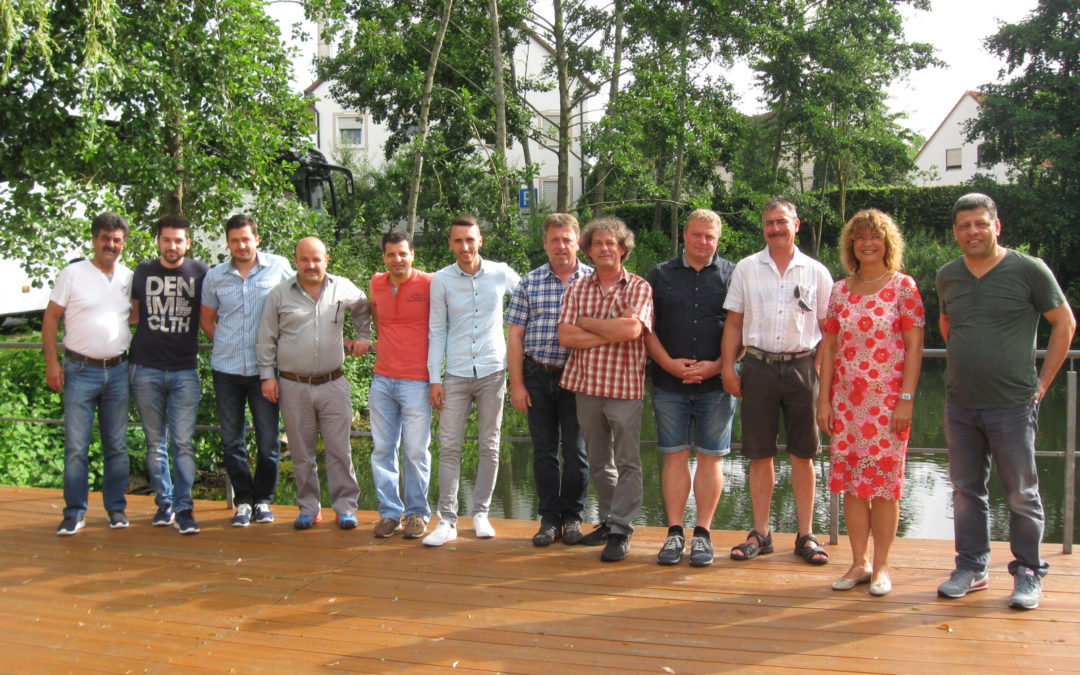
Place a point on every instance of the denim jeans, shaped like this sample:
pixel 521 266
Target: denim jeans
pixel 89 389
pixel 1008 437
pixel 400 414
pixel 553 425
pixel 488 393
pixel 231 392
pixel 168 404
pixel 708 413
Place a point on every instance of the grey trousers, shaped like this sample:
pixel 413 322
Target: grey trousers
pixel 488 393
pixel 611 428
pixel 309 410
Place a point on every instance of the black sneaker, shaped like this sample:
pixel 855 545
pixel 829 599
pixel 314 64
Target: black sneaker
pixel 598 536
pixel 701 554
pixel 164 517
pixel 548 532
pixel 185 522
pixel 69 526
pixel 616 548
pixel 118 520
pixel 571 532
pixel 672 550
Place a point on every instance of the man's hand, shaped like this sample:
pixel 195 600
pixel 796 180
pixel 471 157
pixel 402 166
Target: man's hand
pixel 519 397
pixel 54 375
pixel 357 347
pixel 699 371
pixel 825 416
pixel 732 383
pixel 437 396
pixel 271 391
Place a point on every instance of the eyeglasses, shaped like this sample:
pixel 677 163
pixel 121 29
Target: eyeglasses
pixel 799 298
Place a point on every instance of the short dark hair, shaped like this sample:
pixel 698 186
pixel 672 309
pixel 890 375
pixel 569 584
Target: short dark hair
pixel 618 229
pixel 396 237
pixel 974 200
pixel 239 222
pixel 173 221
pixel 108 222
pixel 465 220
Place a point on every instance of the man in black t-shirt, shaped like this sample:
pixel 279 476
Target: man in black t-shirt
pixel 164 378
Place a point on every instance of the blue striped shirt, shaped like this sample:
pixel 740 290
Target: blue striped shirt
pixel 535 306
pixel 239 304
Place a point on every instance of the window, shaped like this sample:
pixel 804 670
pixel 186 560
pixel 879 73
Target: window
pixel 980 157
pixel 548 126
pixel 953 158
pixel 350 130
pixel 549 192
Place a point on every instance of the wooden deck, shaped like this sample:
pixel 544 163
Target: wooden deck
pixel 270 599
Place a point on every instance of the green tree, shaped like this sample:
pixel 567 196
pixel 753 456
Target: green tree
pixel 1032 122
pixel 146 108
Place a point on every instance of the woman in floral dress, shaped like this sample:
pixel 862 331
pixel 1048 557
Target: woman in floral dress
pixel 872 353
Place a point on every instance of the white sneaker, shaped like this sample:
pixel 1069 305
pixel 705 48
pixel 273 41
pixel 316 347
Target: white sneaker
pixel 442 533
pixel 482 526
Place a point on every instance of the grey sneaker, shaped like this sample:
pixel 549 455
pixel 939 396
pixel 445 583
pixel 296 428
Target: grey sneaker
pixel 386 527
pixel 672 550
pixel 118 520
pixel 547 534
pixel 961 582
pixel 701 554
pixel 571 532
pixel 1027 589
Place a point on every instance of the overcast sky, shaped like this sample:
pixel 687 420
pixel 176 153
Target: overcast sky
pixel 956 29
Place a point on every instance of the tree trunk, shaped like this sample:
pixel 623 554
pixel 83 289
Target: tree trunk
pixel 425 109
pixel 500 107
pixel 526 153
pixel 603 167
pixel 562 68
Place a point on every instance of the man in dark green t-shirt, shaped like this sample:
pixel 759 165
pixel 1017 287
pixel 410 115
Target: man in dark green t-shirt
pixel 991 299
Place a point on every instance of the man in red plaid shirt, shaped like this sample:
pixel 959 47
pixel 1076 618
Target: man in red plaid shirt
pixel 604 319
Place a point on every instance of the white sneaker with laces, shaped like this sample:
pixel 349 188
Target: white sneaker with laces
pixel 482 526
pixel 442 533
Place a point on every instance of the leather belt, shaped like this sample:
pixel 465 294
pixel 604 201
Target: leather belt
pixel 550 369
pixel 317 379
pixel 100 363
pixel 774 357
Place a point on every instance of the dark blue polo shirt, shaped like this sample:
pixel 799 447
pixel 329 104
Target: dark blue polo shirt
pixel 689 316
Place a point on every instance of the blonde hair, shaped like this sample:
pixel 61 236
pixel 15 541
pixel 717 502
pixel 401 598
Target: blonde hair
pixel 872 221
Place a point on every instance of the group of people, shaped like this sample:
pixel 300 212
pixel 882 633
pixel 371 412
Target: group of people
pixel 773 330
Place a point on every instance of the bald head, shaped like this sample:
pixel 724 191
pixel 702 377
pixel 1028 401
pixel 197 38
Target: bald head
pixel 310 257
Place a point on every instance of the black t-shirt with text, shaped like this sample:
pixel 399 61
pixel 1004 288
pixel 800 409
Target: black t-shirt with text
pixel 167 337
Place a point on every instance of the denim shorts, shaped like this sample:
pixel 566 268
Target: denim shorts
pixel 709 413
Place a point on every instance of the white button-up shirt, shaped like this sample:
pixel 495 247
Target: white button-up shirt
pixel 781 314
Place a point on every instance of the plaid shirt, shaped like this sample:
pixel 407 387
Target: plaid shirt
pixel 535 306
pixel 617 369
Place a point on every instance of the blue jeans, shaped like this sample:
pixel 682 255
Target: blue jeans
pixel 89 389
pixel 400 414
pixel 231 392
pixel 553 425
pixel 1007 436
pixel 168 404
pixel 709 413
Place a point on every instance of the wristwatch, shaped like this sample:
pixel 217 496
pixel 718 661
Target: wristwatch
pixel 907 397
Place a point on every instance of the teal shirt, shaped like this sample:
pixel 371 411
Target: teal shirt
pixel 990 356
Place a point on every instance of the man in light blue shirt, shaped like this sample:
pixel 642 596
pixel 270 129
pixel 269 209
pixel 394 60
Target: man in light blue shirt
pixel 233 296
pixel 466 334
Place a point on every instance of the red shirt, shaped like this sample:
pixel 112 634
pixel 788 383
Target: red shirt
pixel 617 369
pixel 401 320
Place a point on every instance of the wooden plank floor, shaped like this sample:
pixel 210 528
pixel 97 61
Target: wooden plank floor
pixel 270 599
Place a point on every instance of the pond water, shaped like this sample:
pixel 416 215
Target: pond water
pixel 925 510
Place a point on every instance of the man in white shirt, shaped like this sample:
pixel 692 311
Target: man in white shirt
pixel 776 308
pixel 94 299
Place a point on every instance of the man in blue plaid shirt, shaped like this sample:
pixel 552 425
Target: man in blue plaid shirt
pixel 535 361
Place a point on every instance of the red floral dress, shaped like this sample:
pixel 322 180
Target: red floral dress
pixel 866 457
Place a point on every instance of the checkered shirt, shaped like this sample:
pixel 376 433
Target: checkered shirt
pixel 535 306
pixel 617 369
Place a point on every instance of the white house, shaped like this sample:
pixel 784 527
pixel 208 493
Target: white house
pixel 339 128
pixel 947 158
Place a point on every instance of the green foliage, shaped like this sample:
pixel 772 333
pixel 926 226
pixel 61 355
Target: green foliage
pixel 30 453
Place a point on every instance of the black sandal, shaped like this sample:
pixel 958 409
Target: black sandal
pixel 804 548
pixel 751 550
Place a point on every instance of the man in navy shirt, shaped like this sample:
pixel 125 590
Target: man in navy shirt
pixel 688 295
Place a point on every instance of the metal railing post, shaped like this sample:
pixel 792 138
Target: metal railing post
pixel 834 518
pixel 1070 463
